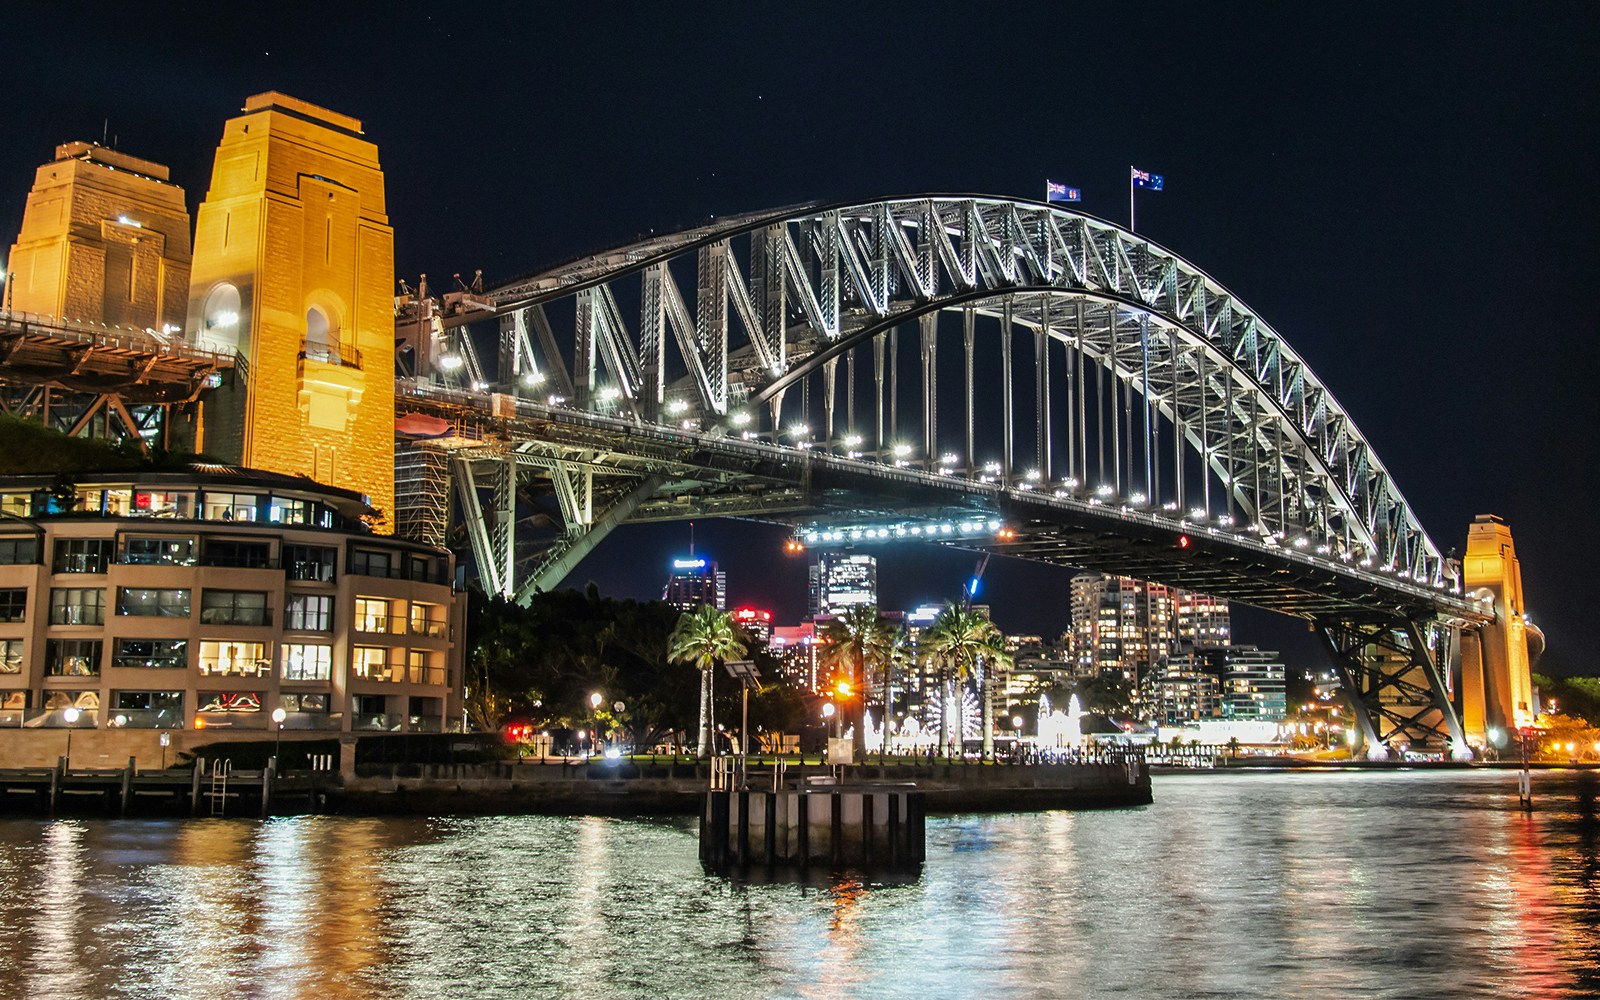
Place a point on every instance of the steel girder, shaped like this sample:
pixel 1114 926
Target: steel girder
pixel 1198 373
pixel 1397 684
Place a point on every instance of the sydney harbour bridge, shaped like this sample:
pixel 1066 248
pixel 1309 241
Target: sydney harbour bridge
pixel 984 372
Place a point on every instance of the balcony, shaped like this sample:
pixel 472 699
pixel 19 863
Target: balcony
pixel 342 355
pixel 424 724
pixel 145 718
pixel 429 628
pixel 427 675
pixel 381 624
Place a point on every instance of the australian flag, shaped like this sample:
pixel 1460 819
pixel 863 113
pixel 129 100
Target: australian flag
pixel 1060 192
pixel 1145 179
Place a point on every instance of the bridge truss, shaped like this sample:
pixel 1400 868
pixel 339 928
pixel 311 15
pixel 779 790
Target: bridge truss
pixel 1113 404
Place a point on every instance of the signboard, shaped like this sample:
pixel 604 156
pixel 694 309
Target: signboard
pixel 841 750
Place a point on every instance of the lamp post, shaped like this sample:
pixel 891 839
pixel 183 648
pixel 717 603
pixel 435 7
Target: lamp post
pixel 70 716
pixel 617 709
pixel 827 715
pixel 594 722
pixel 278 715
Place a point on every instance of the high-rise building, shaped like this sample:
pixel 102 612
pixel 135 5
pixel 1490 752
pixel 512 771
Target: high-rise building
pixel 841 580
pixel 1250 682
pixel 696 581
pixel 294 273
pixel 104 239
pixel 1128 628
pixel 756 622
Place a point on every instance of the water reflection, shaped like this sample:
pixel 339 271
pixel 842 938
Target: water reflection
pixel 1229 886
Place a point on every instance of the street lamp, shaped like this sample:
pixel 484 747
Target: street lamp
pixel 278 715
pixel 594 721
pixel 827 712
pixel 71 716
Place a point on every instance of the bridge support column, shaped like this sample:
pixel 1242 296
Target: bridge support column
pixel 565 555
pixel 1497 659
pixel 1396 688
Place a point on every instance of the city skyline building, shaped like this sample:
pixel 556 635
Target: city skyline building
pixel 1130 628
pixel 840 580
pixel 696 582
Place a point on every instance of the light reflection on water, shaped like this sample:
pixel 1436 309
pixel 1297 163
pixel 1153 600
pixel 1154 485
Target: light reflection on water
pixel 1254 885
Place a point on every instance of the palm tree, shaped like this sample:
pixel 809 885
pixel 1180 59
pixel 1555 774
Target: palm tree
pixel 965 644
pixel 859 643
pixel 705 637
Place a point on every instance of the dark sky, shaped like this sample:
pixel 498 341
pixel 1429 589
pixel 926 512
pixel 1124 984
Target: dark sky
pixel 1409 195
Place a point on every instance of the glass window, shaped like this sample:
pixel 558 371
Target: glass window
pixel 286 510
pixel 427 619
pixel 117 503
pixel 146 709
pixel 424 667
pixel 371 663
pixel 72 658
pixel 16 504
pixel 309 562
pixel 372 562
pixel 82 555
pixel 21 551
pixel 13 604
pixel 305 702
pixel 228 506
pixel 303 661
pixel 247 555
pixel 245 659
pixel 148 602
pixel 309 612
pixel 229 701
pixel 139 551
pixel 163 503
pixel 372 615
pixel 77 606
pixel 234 607
pixel 10 656
pixel 166 654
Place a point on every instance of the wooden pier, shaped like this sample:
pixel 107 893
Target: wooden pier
pixel 208 788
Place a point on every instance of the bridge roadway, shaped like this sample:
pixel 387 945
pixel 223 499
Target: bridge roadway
pixel 712 474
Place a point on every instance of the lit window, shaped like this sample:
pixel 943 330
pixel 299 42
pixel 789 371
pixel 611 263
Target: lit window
pixel 244 659
pixel 307 661
pixel 372 663
pixel 372 615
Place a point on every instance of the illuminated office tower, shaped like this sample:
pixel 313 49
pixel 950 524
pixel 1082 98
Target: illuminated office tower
pixel 841 580
pixel 294 272
pixel 695 582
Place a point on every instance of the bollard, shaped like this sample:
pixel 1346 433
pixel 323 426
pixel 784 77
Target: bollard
pixel 127 786
pixel 267 774
pixel 194 786
pixel 55 782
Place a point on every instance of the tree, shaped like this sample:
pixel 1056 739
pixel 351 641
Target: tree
pixel 960 641
pixel 860 643
pixel 704 638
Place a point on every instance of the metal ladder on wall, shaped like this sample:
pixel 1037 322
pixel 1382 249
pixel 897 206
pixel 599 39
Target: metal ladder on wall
pixel 219 786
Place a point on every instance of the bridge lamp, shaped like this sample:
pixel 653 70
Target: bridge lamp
pixel 1301 542
pixel 852 440
pixel 609 394
pixel 448 362
pixel 1104 489
pixel 1137 499
pixel 677 406
pixel 557 400
pixel 741 419
pixel 799 430
pixel 1032 475
pixel 902 450
pixel 532 379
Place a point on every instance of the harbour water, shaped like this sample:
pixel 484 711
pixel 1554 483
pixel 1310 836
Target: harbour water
pixel 1396 884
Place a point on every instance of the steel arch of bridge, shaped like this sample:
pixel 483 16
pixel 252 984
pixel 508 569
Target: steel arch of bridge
pixel 745 321
pixel 819 281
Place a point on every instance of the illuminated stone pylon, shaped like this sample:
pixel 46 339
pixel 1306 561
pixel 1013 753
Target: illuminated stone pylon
pixel 104 239
pixel 1497 659
pixel 294 271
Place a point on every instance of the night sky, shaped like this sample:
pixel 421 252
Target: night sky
pixel 1408 196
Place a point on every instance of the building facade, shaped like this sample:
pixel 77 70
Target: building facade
pixel 204 600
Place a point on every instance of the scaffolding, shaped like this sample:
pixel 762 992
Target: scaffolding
pixel 421 493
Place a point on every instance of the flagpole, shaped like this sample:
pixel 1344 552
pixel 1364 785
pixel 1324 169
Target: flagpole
pixel 1130 200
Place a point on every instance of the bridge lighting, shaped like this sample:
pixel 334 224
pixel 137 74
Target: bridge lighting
pixel 1137 499
pixel 948 459
pixel 741 419
pixel 993 468
pixel 902 450
pixel 1170 505
pixel 1301 542
pixel 1071 482
pixel 479 386
pixel 799 430
pixel 448 362
pixel 532 379
pixel 1323 550
pixel 1104 489
pixel 556 400
pixel 1183 541
pixel 1197 515
pixel 610 394
pixel 1032 475
pixel 677 406
pixel 947 529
